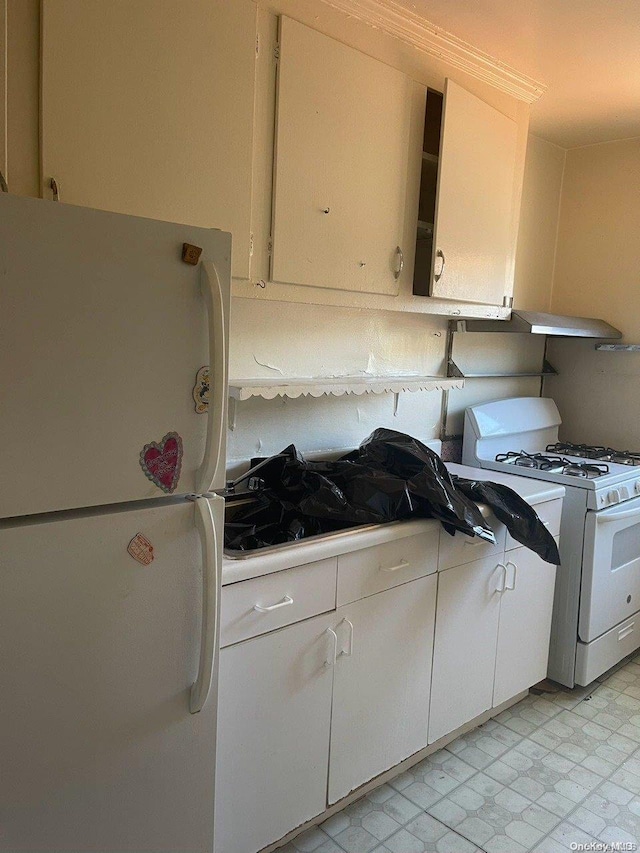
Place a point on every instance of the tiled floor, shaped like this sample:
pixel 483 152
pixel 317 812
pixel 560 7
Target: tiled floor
pixel 554 770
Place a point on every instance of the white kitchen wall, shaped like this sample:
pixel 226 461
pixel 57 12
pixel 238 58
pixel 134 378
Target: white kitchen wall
pixel 23 80
pixel 494 353
pixel 597 275
pixel 278 339
pixel 537 237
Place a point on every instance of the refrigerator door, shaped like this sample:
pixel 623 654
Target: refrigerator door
pixel 100 651
pixel 103 330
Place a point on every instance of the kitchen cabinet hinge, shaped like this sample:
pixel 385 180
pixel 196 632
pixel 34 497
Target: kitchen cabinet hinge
pixel 276 52
pixel 250 245
pixel 257 45
pixel 507 301
pixel 270 246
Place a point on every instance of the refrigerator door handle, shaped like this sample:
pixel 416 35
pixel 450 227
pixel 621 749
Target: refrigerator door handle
pixel 212 292
pixel 209 642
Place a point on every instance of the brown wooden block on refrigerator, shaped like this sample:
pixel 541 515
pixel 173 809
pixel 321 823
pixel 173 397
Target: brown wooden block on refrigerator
pixel 191 254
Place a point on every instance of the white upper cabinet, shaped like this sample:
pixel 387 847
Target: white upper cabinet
pixel 475 213
pixel 147 109
pixel 342 144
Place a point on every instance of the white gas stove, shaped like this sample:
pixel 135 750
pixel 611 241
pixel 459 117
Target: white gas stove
pixel 596 618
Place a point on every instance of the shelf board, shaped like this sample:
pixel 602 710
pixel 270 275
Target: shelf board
pixel 547 370
pixel 243 389
pixel 430 158
pixel 425 226
pixel 618 347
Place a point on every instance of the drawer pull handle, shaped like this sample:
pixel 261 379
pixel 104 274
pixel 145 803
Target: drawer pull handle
pixel 401 565
pixel 286 601
pixel 515 573
pixel 624 632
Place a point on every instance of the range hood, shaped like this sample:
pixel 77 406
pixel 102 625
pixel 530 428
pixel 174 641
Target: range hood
pixel 537 323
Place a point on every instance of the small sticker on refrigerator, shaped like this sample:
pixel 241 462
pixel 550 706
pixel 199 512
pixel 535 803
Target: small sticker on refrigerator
pixel 141 549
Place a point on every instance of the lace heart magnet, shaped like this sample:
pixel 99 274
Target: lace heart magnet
pixel 161 461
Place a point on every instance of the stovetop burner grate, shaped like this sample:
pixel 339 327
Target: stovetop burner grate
pixel 553 464
pixel 594 451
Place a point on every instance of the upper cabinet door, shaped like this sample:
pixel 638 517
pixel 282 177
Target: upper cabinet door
pixel 474 236
pixel 342 144
pixel 147 108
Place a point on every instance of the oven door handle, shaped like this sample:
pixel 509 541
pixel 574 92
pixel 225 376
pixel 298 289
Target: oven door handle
pixel 618 516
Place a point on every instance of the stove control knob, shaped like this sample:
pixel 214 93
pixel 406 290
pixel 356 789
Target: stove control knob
pixel 613 496
pixel 637 487
pixel 624 492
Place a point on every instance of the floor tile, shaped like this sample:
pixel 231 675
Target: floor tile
pixel 325 846
pixel 355 839
pixel 378 815
pixel 310 840
pixel 423 839
pixel 430 780
pixel 492 814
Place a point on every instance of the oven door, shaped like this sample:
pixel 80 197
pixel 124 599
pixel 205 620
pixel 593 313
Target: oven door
pixel 610 590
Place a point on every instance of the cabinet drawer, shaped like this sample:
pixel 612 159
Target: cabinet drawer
pixel 460 549
pixel 371 570
pixel 256 606
pixel 549 513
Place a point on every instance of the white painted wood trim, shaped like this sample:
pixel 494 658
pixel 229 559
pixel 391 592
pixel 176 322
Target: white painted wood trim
pixel 243 389
pixel 402 23
pixel 4 50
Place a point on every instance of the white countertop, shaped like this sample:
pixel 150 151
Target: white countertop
pixel 264 562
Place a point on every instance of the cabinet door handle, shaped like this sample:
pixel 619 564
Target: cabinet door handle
pixel 332 658
pixel 401 565
pixel 515 572
pixel 400 255
pixel 350 652
pixel 502 583
pixel 286 601
pixel 438 276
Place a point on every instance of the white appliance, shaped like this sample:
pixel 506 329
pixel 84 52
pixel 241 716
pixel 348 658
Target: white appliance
pixel 110 547
pixel 596 613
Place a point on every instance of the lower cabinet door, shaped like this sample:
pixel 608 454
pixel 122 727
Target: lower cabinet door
pixel 382 681
pixel 525 624
pixel 467 616
pixel 274 718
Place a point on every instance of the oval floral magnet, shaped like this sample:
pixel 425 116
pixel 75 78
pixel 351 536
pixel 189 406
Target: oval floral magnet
pixel 161 461
pixel 201 390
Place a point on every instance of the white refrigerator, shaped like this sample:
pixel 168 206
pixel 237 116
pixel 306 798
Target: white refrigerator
pixel 113 375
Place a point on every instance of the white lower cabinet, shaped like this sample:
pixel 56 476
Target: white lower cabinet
pixel 525 624
pixel 382 682
pixel 274 717
pixel 310 711
pixel 464 654
pixel 493 623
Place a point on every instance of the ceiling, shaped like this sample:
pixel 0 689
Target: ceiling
pixel 587 53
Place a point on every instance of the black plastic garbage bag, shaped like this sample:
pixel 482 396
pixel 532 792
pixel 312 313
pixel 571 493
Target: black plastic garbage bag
pixel 428 480
pixel 515 513
pixel 340 491
pixel 390 477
